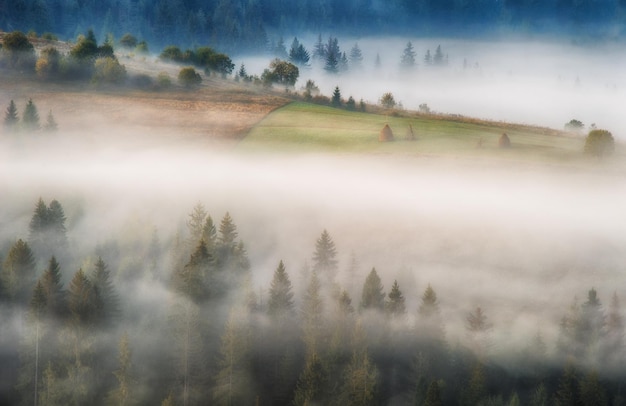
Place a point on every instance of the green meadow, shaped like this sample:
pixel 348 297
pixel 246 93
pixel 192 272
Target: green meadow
pixel 305 127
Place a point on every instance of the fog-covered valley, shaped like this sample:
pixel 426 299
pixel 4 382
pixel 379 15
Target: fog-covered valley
pixel 192 271
pixel 543 81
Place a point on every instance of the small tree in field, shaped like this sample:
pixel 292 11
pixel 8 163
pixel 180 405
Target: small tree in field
pixel 388 101
pixel 10 118
pixel 188 77
pixel 30 118
pixel 336 99
pixel 599 143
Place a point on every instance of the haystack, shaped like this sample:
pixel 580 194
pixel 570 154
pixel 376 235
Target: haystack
pixel 504 141
pixel 410 135
pixel 386 134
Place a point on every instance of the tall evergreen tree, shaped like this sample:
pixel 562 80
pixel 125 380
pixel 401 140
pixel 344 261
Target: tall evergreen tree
pixel 408 57
pixel 122 395
pixel 311 384
pixel 11 118
pixel 53 289
pixel 373 296
pixel 433 395
pixel 312 316
pixel 395 305
pixel 280 303
pixel 298 54
pixel 567 391
pixel 195 224
pixel 438 58
pixel 319 51
pixel 106 298
pixel 335 100
pixel 429 322
pixel 332 54
pixel 324 257
pixel 195 280
pixel 30 118
pixel 18 273
pixel 356 57
pixel 232 385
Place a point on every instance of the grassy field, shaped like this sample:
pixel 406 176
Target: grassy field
pixel 308 127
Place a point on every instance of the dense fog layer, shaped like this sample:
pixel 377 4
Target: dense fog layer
pixel 519 241
pixel 545 81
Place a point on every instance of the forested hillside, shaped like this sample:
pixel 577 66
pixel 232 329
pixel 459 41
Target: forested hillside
pixel 156 319
pixel 238 25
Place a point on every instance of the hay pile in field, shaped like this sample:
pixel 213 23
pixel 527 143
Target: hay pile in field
pixel 386 134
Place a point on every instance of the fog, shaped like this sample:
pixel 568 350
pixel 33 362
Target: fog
pixel 542 81
pixel 519 241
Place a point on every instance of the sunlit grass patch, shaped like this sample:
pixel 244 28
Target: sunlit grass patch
pixel 307 127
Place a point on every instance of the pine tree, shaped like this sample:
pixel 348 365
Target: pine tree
pixel 195 279
pixel 10 117
pixel 591 391
pixel 53 289
pixel 360 381
pixel 313 379
pixel 47 232
pixel 373 296
pixel 335 101
pixel 590 328
pixel 395 305
pixel 332 55
pixel 408 57
pixel 280 302
pixel 81 299
pixel 298 54
pixel 343 63
pixel 433 395
pixel 18 273
pixel 614 337
pixel 195 224
pixel 30 118
pixel 228 231
pixel 428 59
pixel 356 57
pixel 319 51
pixel 123 394
pixel 438 59
pixel 51 125
pixel 312 316
pixel 429 322
pixel 324 257
pixel 106 299
pixel 232 386
pixel 478 329
pixel 567 391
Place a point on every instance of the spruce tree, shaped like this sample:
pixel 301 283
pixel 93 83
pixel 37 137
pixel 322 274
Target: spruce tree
pixel 356 57
pixel 51 125
pixel 122 395
pixel 395 305
pixel 53 289
pixel 280 302
pixel 11 118
pixel 408 57
pixel 195 279
pixel 324 257
pixel 30 118
pixel 429 322
pixel 335 101
pixel 373 296
pixel 232 385
pixel 438 58
pixel 106 299
pixel 312 315
pixel 195 224
pixel 433 395
pixel 311 384
pixel 18 273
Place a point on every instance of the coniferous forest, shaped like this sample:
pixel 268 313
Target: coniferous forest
pixel 184 320
pixel 236 26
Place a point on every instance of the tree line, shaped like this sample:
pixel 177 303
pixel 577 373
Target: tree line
pixel 247 25
pixel 187 324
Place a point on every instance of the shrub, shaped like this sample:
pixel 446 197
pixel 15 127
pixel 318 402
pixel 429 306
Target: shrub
pixel 108 70
pixel 599 143
pixel 388 101
pixel 188 77
pixel 163 80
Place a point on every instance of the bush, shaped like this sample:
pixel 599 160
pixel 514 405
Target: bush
pixel 188 77
pixel 108 70
pixel 163 80
pixel 574 125
pixel 388 101
pixel 47 66
pixel 599 143
pixel 17 52
pixel 128 41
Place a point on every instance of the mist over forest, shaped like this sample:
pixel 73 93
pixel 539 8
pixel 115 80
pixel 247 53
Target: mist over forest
pixel 152 253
